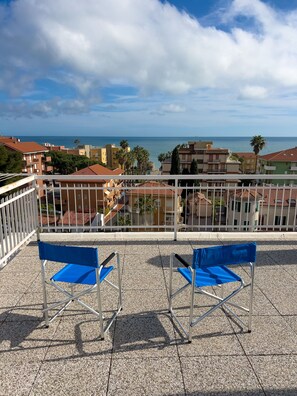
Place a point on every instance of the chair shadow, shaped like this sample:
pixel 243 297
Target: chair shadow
pixel 17 329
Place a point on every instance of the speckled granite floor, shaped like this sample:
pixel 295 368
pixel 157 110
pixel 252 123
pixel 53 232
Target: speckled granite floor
pixel 144 353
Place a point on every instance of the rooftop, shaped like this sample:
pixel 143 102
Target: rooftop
pixel 289 155
pixel 144 353
pixel 25 147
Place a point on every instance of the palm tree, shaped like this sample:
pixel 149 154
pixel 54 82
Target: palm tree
pixel 142 157
pixel 121 157
pixel 258 143
pixel 124 144
pixel 130 159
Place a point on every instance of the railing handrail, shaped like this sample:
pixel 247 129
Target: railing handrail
pixel 28 179
pixel 168 177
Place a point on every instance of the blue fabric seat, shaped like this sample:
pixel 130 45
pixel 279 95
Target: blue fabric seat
pixel 210 269
pixel 210 276
pixel 82 268
pixel 81 274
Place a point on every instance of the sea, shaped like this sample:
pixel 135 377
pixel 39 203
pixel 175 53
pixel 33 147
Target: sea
pixel 158 145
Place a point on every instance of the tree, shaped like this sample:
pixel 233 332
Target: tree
pixel 121 157
pixel 10 161
pixel 175 162
pixel 124 144
pixel 194 167
pixel 143 158
pixel 258 143
pixel 66 164
pixel 145 205
pixel 130 159
pixel 76 142
pixel 164 156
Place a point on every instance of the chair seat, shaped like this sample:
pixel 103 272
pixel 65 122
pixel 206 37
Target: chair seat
pixel 211 276
pixel 73 273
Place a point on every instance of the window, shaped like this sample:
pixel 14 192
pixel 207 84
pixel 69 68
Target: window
pixel 278 220
pixel 247 207
pixel 257 207
pixel 236 205
pixel 246 223
pixel 235 222
pixel 157 203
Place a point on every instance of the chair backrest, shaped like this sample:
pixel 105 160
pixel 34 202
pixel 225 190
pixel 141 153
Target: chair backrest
pixel 69 254
pixel 224 255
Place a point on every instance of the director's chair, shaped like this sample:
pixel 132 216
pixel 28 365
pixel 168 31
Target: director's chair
pixel 210 269
pixel 83 268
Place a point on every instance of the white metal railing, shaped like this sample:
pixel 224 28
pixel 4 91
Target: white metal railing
pixel 18 216
pixel 188 203
pixel 145 203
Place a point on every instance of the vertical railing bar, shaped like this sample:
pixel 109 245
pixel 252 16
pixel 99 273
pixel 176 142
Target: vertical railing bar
pixel 54 204
pixel 89 198
pixel 289 207
pixel 234 210
pixel 240 212
pixel 61 220
pixel 282 209
pixel 175 208
pixel 268 210
pixel 275 206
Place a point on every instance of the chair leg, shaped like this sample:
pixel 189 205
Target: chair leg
pixel 170 282
pixel 99 305
pixel 46 318
pixel 192 306
pixel 119 282
pixel 251 298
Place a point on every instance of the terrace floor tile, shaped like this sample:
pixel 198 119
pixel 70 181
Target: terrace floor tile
pixel 217 376
pixel 147 376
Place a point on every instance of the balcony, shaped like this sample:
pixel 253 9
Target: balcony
pixel 144 353
pixel 269 168
pixel 144 350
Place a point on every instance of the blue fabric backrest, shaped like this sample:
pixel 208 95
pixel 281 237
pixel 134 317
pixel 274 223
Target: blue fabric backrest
pixel 224 255
pixel 69 254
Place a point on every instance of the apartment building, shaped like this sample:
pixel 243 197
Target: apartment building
pixel 243 210
pixel 35 158
pixel 247 162
pixel 153 203
pixel 210 160
pixel 87 195
pixel 98 154
pixel 281 163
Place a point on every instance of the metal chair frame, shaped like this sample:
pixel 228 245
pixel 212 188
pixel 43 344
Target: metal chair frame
pixel 72 296
pixel 223 302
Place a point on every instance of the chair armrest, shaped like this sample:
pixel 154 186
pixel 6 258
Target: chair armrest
pixel 107 260
pixel 180 259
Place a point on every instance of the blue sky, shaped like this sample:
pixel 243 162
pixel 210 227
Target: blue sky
pixel 148 68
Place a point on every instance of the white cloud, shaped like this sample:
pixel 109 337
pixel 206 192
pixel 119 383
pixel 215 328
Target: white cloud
pixel 147 45
pixel 253 92
pixel 173 108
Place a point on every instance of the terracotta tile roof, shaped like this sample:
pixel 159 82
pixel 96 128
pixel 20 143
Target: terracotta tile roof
pixel 26 147
pixel 289 155
pixel 97 169
pixel 154 188
pixel 246 194
pixel 74 218
pixel 280 197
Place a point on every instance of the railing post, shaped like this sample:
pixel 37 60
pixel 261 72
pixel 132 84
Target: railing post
pixel 35 209
pixel 175 207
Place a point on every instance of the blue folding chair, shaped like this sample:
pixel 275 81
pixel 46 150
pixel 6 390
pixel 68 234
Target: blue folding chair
pixel 83 268
pixel 210 269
